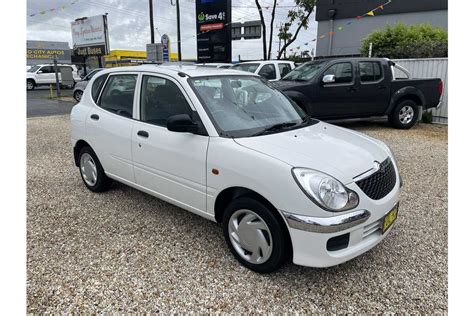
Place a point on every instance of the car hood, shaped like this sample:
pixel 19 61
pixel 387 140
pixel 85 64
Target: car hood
pixel 30 74
pixel 339 152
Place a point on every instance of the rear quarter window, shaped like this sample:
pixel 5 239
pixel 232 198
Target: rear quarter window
pixel 97 86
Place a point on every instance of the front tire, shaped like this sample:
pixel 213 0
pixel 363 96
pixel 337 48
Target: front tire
pixel 255 236
pixel 404 115
pixel 91 170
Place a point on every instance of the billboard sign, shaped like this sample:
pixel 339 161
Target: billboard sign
pixel 38 52
pixel 89 36
pixel 214 30
pixel 165 43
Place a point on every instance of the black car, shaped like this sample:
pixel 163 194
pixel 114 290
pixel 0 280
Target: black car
pixel 360 87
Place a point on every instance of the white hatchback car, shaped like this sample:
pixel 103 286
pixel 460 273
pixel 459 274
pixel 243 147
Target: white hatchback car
pixel 228 147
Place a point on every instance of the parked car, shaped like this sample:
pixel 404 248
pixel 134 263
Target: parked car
pixel 81 85
pixel 228 146
pixel 44 74
pixel 271 70
pixel 216 65
pixel 360 87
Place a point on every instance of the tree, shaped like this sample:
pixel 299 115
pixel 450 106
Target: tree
pixel 301 13
pixel 403 41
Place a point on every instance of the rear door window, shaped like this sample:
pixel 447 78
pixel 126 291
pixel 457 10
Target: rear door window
pixel 268 71
pixel 370 71
pixel 118 93
pixel 284 69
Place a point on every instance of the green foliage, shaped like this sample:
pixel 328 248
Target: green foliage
pixel 407 41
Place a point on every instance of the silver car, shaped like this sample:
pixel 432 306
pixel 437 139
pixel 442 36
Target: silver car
pixel 81 85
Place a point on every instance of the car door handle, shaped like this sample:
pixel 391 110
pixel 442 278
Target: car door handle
pixel 351 89
pixel 381 87
pixel 95 117
pixel 143 134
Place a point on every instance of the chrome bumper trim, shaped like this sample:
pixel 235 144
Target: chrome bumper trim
pixel 326 224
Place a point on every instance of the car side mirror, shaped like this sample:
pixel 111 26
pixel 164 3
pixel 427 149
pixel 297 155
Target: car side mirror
pixel 181 123
pixel 329 79
pixel 40 72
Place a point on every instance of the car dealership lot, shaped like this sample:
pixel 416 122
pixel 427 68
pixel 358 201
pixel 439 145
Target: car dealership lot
pixel 126 251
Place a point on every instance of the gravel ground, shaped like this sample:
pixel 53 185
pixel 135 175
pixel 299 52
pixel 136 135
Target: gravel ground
pixel 125 251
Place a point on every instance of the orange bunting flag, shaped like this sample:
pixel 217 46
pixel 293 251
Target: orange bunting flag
pixel 370 13
pixel 331 33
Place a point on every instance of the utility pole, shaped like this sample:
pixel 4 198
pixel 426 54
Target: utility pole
pixel 152 28
pixel 179 30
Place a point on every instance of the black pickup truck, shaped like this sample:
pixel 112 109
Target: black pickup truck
pixel 360 87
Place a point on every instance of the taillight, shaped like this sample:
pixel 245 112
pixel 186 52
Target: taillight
pixel 440 87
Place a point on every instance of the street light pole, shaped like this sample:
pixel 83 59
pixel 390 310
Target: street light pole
pixel 152 28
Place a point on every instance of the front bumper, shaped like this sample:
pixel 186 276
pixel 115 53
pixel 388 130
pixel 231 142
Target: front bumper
pixel 326 224
pixel 311 236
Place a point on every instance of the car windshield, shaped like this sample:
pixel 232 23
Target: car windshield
pixel 246 67
pixel 33 69
pixel 304 72
pixel 243 106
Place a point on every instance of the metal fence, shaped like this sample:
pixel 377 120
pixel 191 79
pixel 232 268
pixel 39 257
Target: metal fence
pixel 431 68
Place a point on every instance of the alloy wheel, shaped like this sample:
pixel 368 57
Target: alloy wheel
pixel 250 236
pixel 406 114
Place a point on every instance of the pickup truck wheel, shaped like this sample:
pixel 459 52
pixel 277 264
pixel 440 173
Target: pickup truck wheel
pixel 91 170
pixel 404 115
pixel 255 237
pixel 30 84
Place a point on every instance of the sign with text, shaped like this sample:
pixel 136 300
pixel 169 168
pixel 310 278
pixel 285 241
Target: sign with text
pixel 89 36
pixel 214 31
pixel 165 43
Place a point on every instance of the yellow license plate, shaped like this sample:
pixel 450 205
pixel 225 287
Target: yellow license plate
pixel 389 218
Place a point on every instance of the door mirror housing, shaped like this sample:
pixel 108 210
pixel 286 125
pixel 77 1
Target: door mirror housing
pixel 329 79
pixel 181 123
pixel 40 72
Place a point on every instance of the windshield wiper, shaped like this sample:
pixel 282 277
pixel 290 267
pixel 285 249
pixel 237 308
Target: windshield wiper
pixel 275 127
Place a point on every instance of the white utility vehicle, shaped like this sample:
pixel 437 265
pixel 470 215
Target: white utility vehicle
pixel 226 146
pixel 44 74
pixel 271 70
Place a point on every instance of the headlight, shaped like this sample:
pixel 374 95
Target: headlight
pixel 324 190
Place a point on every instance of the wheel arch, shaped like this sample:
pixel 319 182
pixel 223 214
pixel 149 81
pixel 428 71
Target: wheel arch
pixel 229 194
pixel 77 149
pixel 406 93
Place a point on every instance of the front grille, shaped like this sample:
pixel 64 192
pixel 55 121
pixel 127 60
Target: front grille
pixel 381 182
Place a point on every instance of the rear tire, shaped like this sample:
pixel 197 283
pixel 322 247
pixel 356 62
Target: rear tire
pixel 404 115
pixel 255 236
pixel 91 171
pixel 30 84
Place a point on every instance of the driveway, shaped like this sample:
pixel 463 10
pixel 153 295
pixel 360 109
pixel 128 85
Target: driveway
pixel 124 251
